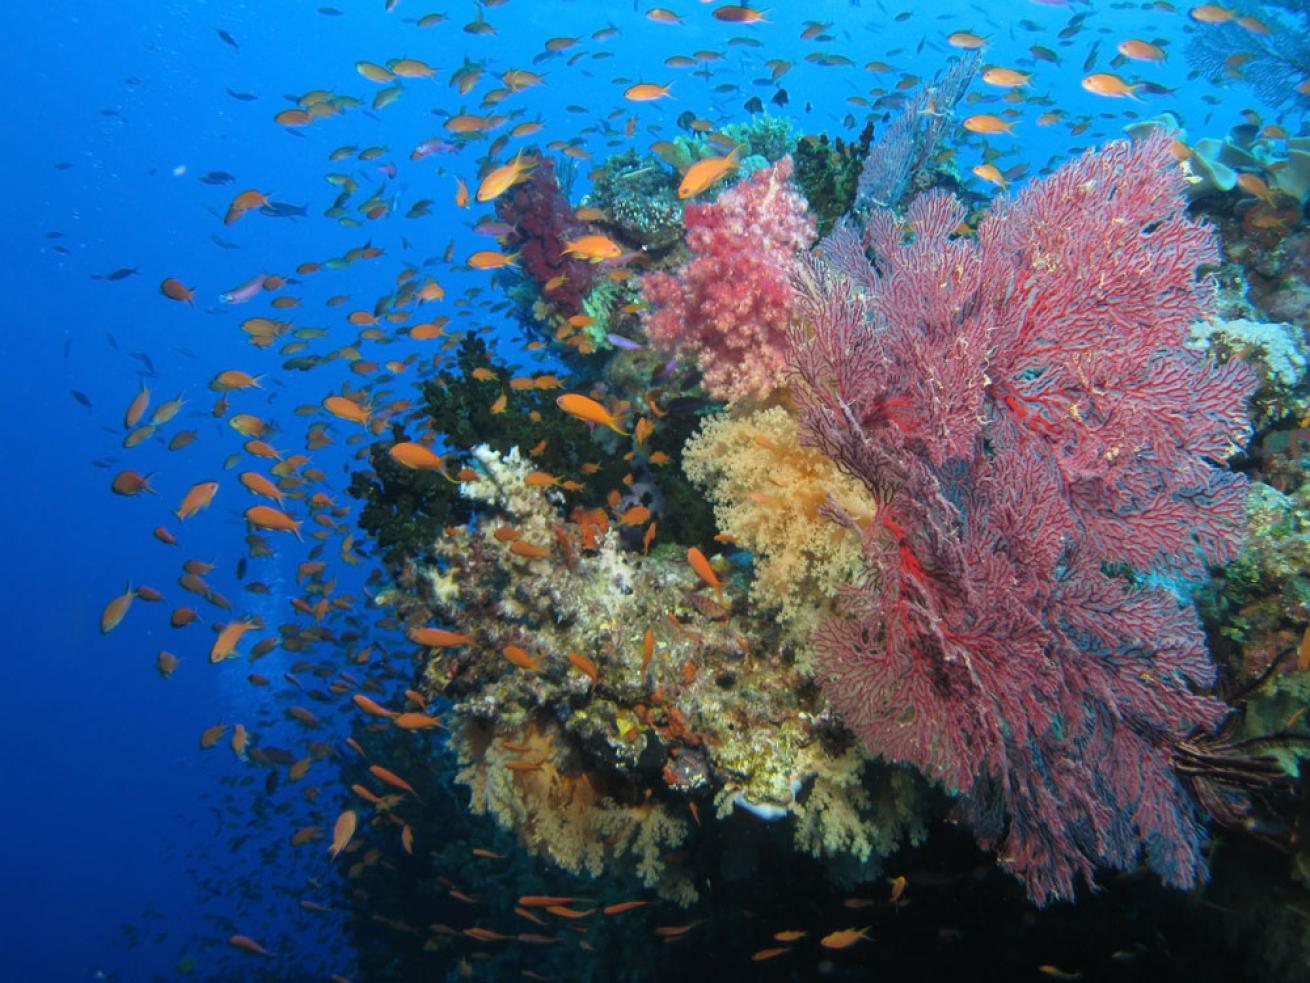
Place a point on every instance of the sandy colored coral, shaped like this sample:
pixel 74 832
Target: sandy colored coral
pixel 559 813
pixel 767 491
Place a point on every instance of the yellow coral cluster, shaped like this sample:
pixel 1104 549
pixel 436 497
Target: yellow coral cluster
pixel 767 490
pixel 559 812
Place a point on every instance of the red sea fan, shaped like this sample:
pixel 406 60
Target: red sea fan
pixel 730 306
pixel 1023 409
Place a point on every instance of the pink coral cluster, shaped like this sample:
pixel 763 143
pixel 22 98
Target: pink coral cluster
pixel 1024 409
pixel 731 305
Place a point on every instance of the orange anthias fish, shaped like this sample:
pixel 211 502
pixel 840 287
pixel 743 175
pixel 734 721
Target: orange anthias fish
pixel 229 638
pixel 342 832
pixel 416 457
pixel 589 411
pixel 646 92
pixel 490 259
pixel 502 179
pixel 174 289
pixel 392 779
pixel 702 568
pixel 844 938
pixel 267 517
pixel 438 638
pixel 243 203
pixel 704 174
pixel 199 497
pixel 595 248
pixel 986 123
pixel 115 610
pixel 1105 84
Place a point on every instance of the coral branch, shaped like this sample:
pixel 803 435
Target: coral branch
pixel 1024 410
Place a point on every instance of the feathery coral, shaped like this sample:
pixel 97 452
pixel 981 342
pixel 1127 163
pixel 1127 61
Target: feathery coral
pixel 730 306
pixel 768 491
pixel 1025 412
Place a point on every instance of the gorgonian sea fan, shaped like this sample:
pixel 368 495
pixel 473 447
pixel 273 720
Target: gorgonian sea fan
pixel 1026 413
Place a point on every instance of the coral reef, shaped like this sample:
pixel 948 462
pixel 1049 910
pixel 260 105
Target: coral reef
pixel 1271 62
pixel 542 222
pixel 1017 451
pixel 730 306
pixel 600 693
pixel 827 173
pixel 769 493
pixel 908 143
pixel 640 199
pixel 1276 352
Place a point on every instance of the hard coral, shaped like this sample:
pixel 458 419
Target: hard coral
pixel 730 306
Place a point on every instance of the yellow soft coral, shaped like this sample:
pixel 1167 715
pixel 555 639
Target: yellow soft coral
pixel 559 813
pixel 767 491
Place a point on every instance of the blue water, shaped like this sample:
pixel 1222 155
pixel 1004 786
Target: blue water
pixel 113 818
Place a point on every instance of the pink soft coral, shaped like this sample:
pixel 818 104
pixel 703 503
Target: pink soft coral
pixel 730 306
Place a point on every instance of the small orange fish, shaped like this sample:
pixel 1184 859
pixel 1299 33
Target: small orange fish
pixel 584 666
pixel 392 779
pixel 414 456
pixel 704 174
pixel 174 289
pixel 1106 84
pixel 489 259
pixel 543 900
pixel 647 92
pixel 243 203
pixel 1210 13
pixel 415 721
pixel 702 568
pixel 647 650
pixel 635 516
pixel 502 178
pixel 594 248
pixel 844 938
pixel 622 906
pixel 247 944
pixel 267 517
pixel 986 123
pixel 228 639
pixel 345 409
pixel 1138 50
pixel 115 610
pixel 589 411
pixel 529 551
pixel 197 498
pixel 371 706
pixel 519 656
pixel 764 954
pixel 342 832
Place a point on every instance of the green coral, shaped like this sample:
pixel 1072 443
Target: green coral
pixel 827 173
pixel 404 510
pixel 640 198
